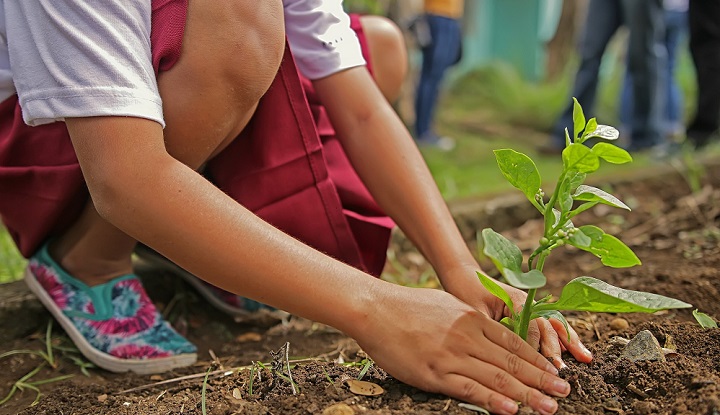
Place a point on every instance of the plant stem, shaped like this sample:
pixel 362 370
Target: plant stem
pixel 526 313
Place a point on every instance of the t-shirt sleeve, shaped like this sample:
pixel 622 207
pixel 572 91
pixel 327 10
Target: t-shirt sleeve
pixel 77 58
pixel 320 37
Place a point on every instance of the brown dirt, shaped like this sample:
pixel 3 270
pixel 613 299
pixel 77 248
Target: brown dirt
pixel 675 234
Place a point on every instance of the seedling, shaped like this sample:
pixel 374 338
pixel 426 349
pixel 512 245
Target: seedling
pixel 570 198
pixel 704 320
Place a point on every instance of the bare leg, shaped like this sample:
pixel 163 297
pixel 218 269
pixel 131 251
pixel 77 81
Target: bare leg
pixel 388 54
pixel 208 98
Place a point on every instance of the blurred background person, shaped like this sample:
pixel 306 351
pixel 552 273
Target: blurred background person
pixel 704 20
pixel 676 24
pixel 645 21
pixel 439 35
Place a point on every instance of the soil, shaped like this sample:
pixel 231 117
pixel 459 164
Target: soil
pixel 675 232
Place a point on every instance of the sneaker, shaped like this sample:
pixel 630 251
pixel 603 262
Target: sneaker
pixel 227 302
pixel 115 325
pixel 441 143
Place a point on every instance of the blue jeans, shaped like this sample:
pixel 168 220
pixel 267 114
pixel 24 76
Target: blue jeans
pixel 676 24
pixel 646 56
pixel 441 53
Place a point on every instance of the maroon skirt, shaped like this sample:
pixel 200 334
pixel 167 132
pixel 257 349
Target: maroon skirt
pixel 287 166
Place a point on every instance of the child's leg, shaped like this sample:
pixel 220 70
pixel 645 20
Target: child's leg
pixel 202 117
pixel 386 46
pixel 208 95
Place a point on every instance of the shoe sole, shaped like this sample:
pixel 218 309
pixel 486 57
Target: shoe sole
pixel 165 264
pixel 101 359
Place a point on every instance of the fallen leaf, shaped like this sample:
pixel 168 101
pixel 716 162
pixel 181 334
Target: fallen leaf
pixel 156 377
pixel 249 337
pixel 237 394
pixel 361 387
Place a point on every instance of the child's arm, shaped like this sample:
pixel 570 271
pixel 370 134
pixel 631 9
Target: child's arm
pixel 390 164
pixel 425 337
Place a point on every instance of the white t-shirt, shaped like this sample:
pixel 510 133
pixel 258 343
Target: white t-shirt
pixel 74 58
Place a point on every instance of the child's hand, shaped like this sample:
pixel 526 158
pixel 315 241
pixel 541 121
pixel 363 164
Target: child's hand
pixel 430 339
pixel 548 336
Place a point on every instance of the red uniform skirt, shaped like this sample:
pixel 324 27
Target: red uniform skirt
pixel 287 166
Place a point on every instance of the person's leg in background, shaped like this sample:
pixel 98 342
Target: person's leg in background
pixel 646 60
pixel 705 50
pixel 442 52
pixel 676 23
pixel 672 115
pixel 603 19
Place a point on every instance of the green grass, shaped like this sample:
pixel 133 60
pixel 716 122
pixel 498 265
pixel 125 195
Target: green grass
pixel 11 263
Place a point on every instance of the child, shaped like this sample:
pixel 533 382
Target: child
pixel 102 71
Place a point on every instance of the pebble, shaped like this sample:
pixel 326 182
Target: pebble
pixel 644 346
pixel 619 324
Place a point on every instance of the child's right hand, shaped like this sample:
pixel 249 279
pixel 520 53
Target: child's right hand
pixel 430 339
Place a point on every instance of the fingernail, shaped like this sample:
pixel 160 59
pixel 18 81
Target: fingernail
pixel 509 407
pixel 563 365
pixel 548 406
pixel 585 350
pixel 561 387
pixel 551 368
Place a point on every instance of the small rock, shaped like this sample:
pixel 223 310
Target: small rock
pixel 102 398
pixel 644 346
pixel 644 408
pixel 338 409
pixel 619 324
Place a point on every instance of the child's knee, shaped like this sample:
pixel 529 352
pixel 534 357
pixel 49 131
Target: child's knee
pixel 231 52
pixel 388 53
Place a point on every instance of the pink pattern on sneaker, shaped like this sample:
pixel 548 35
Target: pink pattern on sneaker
pixel 50 281
pixel 133 351
pixel 130 321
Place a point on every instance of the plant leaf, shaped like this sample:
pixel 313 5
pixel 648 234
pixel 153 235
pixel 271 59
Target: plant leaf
pixel 605 132
pixel 507 258
pixel 611 153
pixel 593 194
pixel 520 171
pixel 525 280
pixel 578 118
pixel 548 314
pixel 611 251
pixel 579 157
pixel 582 208
pixel 496 290
pixel 589 127
pixel 503 253
pixel 591 294
pixel 580 240
pixel 704 320
pixel 575 179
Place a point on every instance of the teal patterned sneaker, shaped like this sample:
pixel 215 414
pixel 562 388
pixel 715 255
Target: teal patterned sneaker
pixel 227 302
pixel 114 325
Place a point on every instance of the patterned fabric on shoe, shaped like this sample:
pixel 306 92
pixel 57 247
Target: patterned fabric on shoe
pixel 117 318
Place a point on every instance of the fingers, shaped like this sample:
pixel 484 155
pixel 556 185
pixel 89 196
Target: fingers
pixel 513 344
pixel 533 336
pixel 494 389
pixel 550 345
pixel 574 346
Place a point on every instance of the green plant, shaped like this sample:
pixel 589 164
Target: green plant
pixel 570 198
pixel 704 320
pixel 48 358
